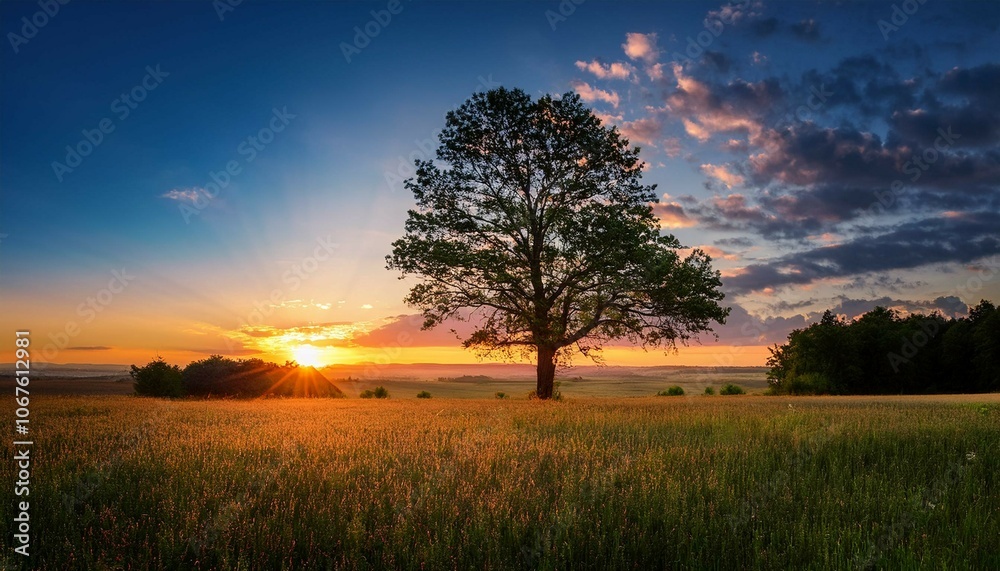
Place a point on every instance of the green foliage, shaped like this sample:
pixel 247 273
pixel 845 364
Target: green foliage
pixel 423 395
pixel 501 395
pixel 731 389
pixel 674 391
pixel 157 379
pixel 379 392
pixel 536 211
pixel 709 391
pixel 882 352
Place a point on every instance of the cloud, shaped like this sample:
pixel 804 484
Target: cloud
pixel 616 70
pixel 722 174
pixel 806 30
pixel 671 214
pixel 406 331
pixel 740 242
pixel 909 245
pixel 706 109
pixel 184 194
pixel 90 348
pixel 646 130
pixel 641 47
pixel 591 94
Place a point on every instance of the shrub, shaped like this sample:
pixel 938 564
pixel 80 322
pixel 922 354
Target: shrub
pixel 378 392
pixel 501 395
pixel 808 384
pixel 673 391
pixel 556 394
pixel 709 391
pixel 158 379
pixel 731 389
pixel 423 395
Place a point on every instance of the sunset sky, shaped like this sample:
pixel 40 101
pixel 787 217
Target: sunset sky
pixel 247 182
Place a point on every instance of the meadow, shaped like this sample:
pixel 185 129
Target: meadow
pixel 716 482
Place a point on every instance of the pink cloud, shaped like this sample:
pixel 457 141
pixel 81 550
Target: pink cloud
pixel 641 47
pixel 616 70
pixel 591 94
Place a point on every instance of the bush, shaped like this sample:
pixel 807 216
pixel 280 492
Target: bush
pixel 379 392
pixel 808 384
pixel 556 394
pixel 709 391
pixel 501 395
pixel 731 389
pixel 158 379
pixel 423 395
pixel 673 391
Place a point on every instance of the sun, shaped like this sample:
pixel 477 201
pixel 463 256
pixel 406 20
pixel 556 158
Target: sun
pixel 308 356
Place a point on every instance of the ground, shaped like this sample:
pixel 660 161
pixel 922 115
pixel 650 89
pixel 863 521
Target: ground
pixel 648 482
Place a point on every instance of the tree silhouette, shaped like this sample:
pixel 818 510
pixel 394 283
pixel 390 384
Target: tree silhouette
pixel 533 216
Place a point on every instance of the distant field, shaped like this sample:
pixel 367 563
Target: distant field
pixel 647 483
pixel 467 381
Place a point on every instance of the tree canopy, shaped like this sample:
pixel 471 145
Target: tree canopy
pixel 882 352
pixel 533 222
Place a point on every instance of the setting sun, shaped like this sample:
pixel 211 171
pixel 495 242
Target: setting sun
pixel 308 356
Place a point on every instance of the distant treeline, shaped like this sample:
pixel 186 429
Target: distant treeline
pixel 219 376
pixel 884 353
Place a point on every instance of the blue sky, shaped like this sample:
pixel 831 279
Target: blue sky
pixel 777 198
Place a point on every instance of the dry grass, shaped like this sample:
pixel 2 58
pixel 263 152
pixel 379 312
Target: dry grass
pixel 718 482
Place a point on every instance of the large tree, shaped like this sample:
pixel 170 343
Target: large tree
pixel 533 223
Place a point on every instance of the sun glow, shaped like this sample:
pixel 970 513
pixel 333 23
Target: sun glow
pixel 308 356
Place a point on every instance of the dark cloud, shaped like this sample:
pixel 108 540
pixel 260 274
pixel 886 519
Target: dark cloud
pixel 717 61
pixel 806 30
pixel 765 27
pixel 962 238
pixel 735 242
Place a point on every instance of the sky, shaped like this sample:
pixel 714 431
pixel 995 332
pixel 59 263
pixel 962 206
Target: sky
pixel 190 178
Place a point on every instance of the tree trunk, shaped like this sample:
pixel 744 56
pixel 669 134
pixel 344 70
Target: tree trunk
pixel 546 371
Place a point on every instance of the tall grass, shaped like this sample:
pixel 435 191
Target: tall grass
pixel 630 483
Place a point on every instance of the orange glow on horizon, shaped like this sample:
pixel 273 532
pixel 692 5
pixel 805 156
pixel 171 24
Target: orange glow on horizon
pixel 696 355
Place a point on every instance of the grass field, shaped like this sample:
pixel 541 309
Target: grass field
pixel 639 483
